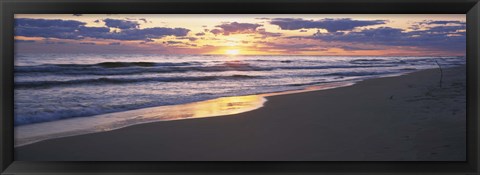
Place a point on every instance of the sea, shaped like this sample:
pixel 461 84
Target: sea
pixel 52 87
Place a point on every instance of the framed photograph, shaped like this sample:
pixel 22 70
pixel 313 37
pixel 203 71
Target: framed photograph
pixel 310 86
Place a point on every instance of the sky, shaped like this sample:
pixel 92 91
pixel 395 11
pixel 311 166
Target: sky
pixel 246 34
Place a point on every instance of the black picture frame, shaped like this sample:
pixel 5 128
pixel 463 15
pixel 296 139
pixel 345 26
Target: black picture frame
pixel 10 7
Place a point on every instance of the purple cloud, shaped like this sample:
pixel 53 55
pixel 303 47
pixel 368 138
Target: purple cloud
pixel 216 31
pixel 88 43
pixel 69 29
pixel 114 44
pixel 332 25
pixel 173 42
pixel 442 22
pixel 24 41
pixel 53 42
pixel 121 24
pixel 353 48
pixel 189 38
pixel 445 29
pixel 235 28
pixel 266 34
pixel 439 38
pixel 140 34
pixel 34 23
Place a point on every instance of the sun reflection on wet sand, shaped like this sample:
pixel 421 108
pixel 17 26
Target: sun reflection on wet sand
pixel 27 134
pixel 209 108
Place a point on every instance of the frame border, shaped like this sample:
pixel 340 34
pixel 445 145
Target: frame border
pixel 9 7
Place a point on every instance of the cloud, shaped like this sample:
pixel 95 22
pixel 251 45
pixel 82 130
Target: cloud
pixel 69 29
pixel 146 41
pixel 87 30
pixel 87 43
pixel 383 35
pixel 144 34
pixel 53 42
pixel 353 48
pixel 24 41
pixel 143 19
pixel 149 40
pixel 289 47
pixel 442 22
pixel 48 32
pixel 114 44
pixel 216 31
pixel 121 24
pixel 431 24
pixel 444 29
pixel 266 34
pixel 332 25
pixel 77 14
pixel 200 34
pixel 235 28
pixel 34 23
pixel 293 46
pixel 62 29
pixel 189 38
pixel 173 42
pixel 436 38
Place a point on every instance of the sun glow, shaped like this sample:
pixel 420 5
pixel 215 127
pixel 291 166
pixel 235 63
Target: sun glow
pixel 232 52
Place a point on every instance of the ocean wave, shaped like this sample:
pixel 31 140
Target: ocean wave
pixel 46 116
pixel 102 81
pixel 377 61
pixel 123 68
pixel 357 73
pixel 224 67
pixel 335 66
pixel 125 64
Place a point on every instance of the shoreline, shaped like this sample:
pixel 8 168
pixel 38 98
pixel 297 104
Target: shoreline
pixel 247 134
pixel 216 107
pixel 37 132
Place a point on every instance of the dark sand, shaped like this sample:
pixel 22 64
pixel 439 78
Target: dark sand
pixel 405 118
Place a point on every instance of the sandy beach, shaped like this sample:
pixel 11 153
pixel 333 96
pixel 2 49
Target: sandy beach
pixel 403 118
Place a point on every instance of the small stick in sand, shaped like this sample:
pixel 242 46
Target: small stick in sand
pixel 441 72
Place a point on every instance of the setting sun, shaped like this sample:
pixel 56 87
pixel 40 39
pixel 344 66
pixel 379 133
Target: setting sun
pixel 232 52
